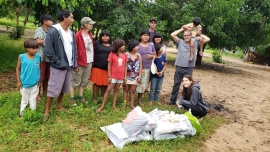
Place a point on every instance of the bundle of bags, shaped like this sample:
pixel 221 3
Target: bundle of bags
pixel 158 125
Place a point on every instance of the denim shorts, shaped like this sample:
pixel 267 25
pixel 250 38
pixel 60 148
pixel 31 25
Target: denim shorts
pixel 116 81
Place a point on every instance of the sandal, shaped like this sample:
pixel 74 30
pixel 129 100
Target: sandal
pixel 72 101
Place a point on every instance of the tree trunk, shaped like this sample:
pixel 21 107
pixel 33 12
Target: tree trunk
pixel 28 12
pixel 18 13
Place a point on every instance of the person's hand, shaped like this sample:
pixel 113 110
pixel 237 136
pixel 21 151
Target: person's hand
pixel 39 83
pixel 109 80
pixel 139 80
pixel 125 80
pixel 149 56
pixel 19 85
pixel 76 69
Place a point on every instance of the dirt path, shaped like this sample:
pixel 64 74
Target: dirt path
pixel 241 93
pixel 242 90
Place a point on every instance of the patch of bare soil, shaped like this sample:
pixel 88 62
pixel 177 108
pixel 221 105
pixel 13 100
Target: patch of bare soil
pixel 237 91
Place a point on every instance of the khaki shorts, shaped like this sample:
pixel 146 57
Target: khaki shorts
pixel 81 78
pixel 131 82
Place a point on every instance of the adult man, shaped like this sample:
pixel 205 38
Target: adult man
pixel 152 28
pixel 182 63
pixel 60 48
pixel 40 35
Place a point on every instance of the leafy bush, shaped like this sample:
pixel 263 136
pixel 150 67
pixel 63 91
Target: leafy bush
pixel 15 32
pixel 217 56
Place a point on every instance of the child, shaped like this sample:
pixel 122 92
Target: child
pixel 40 35
pixel 157 79
pixel 117 71
pixel 134 71
pixel 195 29
pixel 28 74
pixel 157 39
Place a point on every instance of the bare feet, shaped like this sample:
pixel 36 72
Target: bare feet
pixel 61 109
pixel 159 103
pixel 150 103
pixel 115 109
pixel 99 110
pixel 201 53
pixel 38 98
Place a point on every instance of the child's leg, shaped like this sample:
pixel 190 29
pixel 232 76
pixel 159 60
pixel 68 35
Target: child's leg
pixel 126 89
pixel 32 98
pixel 152 90
pixel 25 98
pixel 191 49
pixel 106 96
pixel 201 45
pixel 158 89
pixel 115 94
pixel 95 91
pixel 132 91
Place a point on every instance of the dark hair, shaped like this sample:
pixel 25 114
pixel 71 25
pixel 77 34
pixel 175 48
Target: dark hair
pixel 105 32
pixel 30 43
pixel 142 33
pixel 62 14
pixel 197 21
pixel 157 35
pixel 157 47
pixel 186 92
pixel 132 44
pixel 44 17
pixel 117 43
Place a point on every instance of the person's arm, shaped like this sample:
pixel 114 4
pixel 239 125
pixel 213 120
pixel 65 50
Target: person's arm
pixel 40 41
pixel 39 37
pixel 49 49
pixel 174 35
pixel 140 71
pixel 153 55
pixel 194 98
pixel 164 68
pixel 109 72
pixel 18 71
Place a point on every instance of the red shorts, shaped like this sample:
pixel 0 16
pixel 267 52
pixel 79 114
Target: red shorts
pixel 44 70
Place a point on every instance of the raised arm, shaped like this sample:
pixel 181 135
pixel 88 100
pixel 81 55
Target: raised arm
pixel 174 35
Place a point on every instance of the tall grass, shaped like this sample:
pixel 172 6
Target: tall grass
pixel 9 52
pixel 8 22
pixel 79 129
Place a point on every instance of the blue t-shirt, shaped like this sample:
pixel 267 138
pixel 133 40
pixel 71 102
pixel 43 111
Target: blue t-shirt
pixel 30 70
pixel 160 61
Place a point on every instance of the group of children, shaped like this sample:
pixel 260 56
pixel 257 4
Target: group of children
pixel 123 68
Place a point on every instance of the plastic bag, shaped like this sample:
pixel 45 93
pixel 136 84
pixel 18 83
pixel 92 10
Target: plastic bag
pixel 153 67
pixel 194 121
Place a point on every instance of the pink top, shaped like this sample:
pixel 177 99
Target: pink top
pixel 118 65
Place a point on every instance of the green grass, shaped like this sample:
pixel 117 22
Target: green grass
pixel 238 55
pixel 9 50
pixel 30 24
pixel 79 129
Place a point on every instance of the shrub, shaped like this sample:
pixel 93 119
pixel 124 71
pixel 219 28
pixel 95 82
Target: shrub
pixel 15 32
pixel 217 56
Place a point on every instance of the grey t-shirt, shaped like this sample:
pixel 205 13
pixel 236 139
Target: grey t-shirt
pixel 41 34
pixel 183 54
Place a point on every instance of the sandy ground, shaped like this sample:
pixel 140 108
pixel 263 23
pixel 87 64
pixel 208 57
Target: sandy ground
pixel 237 91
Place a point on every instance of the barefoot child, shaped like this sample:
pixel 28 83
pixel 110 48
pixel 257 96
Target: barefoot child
pixel 157 79
pixel 195 29
pixel 28 74
pixel 117 71
pixel 134 71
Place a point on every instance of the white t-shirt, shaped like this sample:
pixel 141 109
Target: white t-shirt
pixel 67 40
pixel 88 47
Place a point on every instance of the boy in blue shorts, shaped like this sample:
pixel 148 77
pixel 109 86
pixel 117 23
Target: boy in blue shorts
pixel 28 74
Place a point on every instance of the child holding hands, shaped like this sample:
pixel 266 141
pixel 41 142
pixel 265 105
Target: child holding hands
pixel 157 79
pixel 134 71
pixel 117 72
pixel 28 74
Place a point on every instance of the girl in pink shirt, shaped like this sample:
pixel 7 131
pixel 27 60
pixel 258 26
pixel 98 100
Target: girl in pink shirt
pixel 117 71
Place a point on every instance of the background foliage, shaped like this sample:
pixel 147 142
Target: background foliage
pixel 229 24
